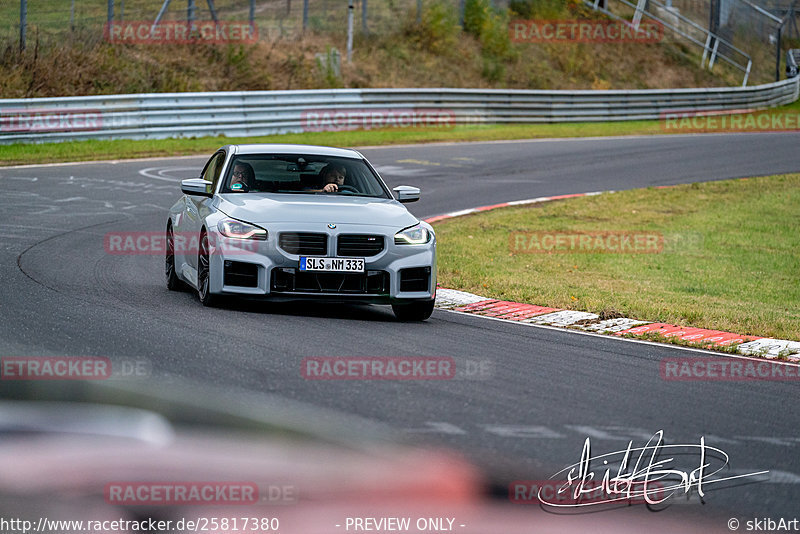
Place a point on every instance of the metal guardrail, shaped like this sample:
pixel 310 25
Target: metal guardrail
pixel 242 114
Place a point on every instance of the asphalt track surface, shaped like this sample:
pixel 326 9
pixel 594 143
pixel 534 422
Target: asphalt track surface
pixel 547 390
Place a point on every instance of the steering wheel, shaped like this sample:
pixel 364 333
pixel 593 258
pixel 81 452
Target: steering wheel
pixel 348 188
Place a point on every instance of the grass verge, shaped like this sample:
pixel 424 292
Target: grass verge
pixel 728 262
pixel 30 153
pixel 95 149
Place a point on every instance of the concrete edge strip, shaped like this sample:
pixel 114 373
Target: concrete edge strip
pixel 532 315
pixel 591 323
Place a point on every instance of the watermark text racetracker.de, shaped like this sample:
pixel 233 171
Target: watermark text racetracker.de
pixel 692 121
pixel 180 32
pixel 45 525
pixel 606 242
pixel 341 119
pixel 49 120
pixel 726 370
pixel 565 493
pixel 583 31
pixel 72 368
pixel 183 243
pixel 395 368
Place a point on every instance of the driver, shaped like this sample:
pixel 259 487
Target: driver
pixel 333 175
pixel 243 178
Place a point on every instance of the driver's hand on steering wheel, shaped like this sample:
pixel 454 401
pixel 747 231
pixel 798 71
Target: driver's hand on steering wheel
pixel 330 188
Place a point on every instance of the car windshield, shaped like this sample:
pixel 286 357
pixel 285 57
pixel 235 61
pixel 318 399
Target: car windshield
pixel 301 174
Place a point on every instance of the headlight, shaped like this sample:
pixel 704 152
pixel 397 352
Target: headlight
pixel 241 230
pixel 416 235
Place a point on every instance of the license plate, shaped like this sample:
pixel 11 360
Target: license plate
pixel 336 265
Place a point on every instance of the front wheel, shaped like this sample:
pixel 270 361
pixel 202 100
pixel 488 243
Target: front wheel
pixel 418 310
pixel 203 274
pixel 173 282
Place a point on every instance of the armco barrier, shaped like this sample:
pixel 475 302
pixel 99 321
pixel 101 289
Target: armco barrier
pixel 239 114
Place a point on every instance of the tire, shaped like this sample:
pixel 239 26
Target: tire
pixel 418 310
pixel 173 282
pixel 203 270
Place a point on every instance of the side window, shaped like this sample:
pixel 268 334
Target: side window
pixel 213 169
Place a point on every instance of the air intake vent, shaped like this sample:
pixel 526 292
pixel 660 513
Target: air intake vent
pixel 304 244
pixel 359 245
pixel 415 279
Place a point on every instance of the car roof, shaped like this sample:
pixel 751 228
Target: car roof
pixel 311 150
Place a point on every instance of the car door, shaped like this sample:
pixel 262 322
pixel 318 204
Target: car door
pixel 198 208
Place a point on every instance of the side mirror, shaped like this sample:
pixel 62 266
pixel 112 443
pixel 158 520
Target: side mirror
pixel 406 193
pixel 196 187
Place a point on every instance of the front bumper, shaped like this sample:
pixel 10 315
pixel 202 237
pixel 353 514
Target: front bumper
pixel 399 273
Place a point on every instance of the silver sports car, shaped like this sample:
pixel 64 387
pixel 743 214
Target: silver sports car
pixel 300 222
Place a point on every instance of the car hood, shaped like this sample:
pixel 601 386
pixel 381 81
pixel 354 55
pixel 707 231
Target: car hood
pixel 265 208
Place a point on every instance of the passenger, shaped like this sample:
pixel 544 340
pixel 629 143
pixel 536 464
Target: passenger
pixel 332 176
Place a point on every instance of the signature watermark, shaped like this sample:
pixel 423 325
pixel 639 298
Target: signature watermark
pixel 640 473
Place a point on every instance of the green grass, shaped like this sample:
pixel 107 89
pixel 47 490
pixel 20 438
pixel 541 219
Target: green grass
pixel 22 153
pixel 738 274
pixel 91 150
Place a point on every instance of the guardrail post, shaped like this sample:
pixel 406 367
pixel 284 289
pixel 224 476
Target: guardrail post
pixel 350 9
pixel 713 55
pixel 214 10
pixel 364 17
pixel 160 14
pixel 419 11
pixel 747 72
pixel 637 16
pixel 778 54
pixel 23 23
pixel 252 16
pixel 305 14
pixel 713 19
pixel 706 49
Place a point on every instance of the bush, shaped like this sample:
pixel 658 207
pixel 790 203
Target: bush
pixel 490 27
pixel 438 30
pixel 537 9
pixel 549 9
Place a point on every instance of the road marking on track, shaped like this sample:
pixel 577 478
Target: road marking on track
pixel 394 170
pixel 201 157
pixel 157 173
pixel 21 178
